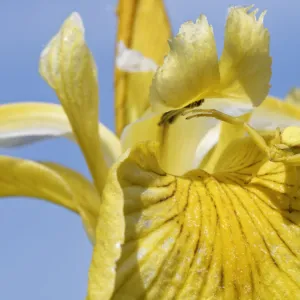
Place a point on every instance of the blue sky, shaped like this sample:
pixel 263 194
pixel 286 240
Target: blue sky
pixel 44 252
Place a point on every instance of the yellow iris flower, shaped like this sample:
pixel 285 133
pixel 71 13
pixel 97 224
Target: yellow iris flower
pixel 205 208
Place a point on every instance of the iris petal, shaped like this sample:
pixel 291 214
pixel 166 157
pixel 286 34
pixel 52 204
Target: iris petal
pixel 29 122
pixel 54 183
pixel 245 64
pixel 85 196
pixel 31 179
pixel 69 68
pixel 140 31
pixel 190 70
pixel 225 236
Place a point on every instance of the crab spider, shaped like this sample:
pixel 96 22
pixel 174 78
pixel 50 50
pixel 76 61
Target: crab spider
pixel 283 147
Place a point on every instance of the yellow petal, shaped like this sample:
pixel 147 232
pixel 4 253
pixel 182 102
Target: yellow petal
pixel 144 129
pixel 224 136
pixel 21 177
pixel 26 123
pixel 69 68
pixel 186 149
pixel 54 183
pixel 187 142
pixel 293 96
pixel 273 113
pixel 85 196
pixel 291 136
pixel 190 70
pixel 142 26
pixel 245 64
pixel 109 238
pixel 180 140
pixel 223 236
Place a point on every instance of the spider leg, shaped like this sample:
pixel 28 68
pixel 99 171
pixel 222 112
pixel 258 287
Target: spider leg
pixel 257 138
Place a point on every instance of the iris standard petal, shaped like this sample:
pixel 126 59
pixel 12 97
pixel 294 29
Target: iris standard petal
pixel 245 64
pixel 143 26
pixel 69 68
pixel 229 235
pixel 189 71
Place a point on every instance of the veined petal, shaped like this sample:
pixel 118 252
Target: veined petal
pixel 245 65
pixel 29 122
pixel 109 238
pixel 190 70
pixel 69 68
pixel 85 196
pixel 222 236
pixel 143 28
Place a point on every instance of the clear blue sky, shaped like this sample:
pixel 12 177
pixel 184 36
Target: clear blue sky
pixel 44 253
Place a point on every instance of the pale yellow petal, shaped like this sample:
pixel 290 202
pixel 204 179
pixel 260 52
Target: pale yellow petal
pixel 19 177
pixel 69 68
pixel 179 141
pixel 144 129
pixel 187 142
pixel 190 70
pixel 25 123
pixel 84 194
pixel 226 134
pixel 273 113
pixel 142 26
pixel 28 122
pixel 291 136
pixel 226 236
pixel 245 64
pixel 293 96
pixel 54 183
pixel 110 144
pixel 109 238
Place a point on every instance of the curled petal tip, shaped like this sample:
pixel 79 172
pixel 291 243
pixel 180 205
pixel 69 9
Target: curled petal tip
pixel 76 19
